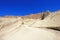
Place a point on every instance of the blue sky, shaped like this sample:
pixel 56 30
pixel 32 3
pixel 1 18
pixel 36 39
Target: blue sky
pixel 24 7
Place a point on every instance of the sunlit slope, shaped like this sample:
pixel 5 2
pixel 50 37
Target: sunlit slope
pixel 30 33
pixel 31 27
pixel 53 20
pixel 9 24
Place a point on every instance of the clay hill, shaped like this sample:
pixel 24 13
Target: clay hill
pixel 40 26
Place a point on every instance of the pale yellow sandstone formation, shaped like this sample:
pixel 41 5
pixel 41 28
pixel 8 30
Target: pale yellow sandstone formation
pixel 31 27
pixel 53 20
pixel 30 33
